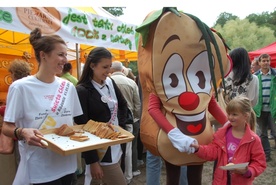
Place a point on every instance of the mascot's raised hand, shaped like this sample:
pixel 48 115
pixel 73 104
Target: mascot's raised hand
pixel 180 63
pixel 179 140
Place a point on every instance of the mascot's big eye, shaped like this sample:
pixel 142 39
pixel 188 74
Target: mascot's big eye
pixel 199 74
pixel 172 79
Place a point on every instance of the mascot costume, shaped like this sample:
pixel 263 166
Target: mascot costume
pixel 181 62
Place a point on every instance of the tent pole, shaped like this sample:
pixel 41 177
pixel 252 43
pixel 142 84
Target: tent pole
pixel 78 61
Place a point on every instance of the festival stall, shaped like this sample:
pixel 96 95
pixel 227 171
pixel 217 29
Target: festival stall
pixel 270 49
pixel 82 30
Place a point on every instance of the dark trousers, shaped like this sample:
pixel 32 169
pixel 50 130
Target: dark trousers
pixel 65 180
pixel 194 174
pixel 263 122
pixel 123 147
pixel 136 127
pixel 140 147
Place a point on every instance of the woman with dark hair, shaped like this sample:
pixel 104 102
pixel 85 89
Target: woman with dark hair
pixel 102 101
pixel 241 81
pixel 33 103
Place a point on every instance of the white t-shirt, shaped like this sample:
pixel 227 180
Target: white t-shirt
pixel 30 103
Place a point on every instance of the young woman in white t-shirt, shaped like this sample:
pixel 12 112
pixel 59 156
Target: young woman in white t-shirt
pixel 42 101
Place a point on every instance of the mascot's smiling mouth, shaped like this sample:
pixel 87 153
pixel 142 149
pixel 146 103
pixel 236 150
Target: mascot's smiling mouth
pixel 192 124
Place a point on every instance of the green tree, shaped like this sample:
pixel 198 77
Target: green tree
pixel 224 17
pixel 134 67
pixel 116 11
pixel 242 33
pixel 264 19
pixel 259 19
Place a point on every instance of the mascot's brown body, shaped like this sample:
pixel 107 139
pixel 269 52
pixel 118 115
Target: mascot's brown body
pixel 180 62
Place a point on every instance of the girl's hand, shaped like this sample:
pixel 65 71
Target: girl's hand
pixel 30 136
pixel 195 145
pixel 96 171
pixel 241 171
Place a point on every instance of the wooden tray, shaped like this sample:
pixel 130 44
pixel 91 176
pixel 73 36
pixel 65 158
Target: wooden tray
pixel 63 145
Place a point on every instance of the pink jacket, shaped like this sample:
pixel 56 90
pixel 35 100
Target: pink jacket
pixel 249 150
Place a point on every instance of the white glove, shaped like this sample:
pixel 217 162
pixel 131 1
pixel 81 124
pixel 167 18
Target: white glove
pixel 180 141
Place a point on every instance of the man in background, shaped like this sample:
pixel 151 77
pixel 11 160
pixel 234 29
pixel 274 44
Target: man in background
pixel 266 107
pixel 67 74
pixel 255 65
pixel 129 89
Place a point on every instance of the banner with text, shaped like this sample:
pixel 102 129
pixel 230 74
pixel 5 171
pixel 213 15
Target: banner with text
pixel 72 25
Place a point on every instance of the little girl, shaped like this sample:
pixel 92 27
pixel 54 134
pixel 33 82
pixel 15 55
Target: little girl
pixel 235 143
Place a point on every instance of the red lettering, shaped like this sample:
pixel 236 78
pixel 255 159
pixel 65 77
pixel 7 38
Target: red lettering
pixel 61 88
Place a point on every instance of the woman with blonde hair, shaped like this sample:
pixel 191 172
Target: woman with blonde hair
pixel 9 163
pixel 19 69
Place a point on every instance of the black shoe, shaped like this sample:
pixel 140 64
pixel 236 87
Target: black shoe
pixel 268 159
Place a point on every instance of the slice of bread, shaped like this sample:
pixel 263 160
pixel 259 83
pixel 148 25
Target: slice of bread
pixel 102 130
pixel 230 164
pixel 122 136
pixel 79 138
pixel 65 130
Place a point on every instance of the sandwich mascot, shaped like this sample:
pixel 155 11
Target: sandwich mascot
pixel 181 61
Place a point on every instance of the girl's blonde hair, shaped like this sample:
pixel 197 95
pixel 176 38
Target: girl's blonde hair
pixel 242 104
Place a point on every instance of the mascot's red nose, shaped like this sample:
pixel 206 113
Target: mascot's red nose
pixel 188 100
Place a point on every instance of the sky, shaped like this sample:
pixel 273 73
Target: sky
pixel 136 10
pixel 206 10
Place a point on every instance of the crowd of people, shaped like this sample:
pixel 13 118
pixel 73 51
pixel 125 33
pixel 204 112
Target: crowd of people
pixel 107 92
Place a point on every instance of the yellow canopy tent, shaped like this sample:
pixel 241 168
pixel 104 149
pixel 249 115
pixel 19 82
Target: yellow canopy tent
pixel 17 22
pixel 14 43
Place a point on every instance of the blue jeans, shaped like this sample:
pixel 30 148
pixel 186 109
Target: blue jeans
pixel 153 170
pixel 183 176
